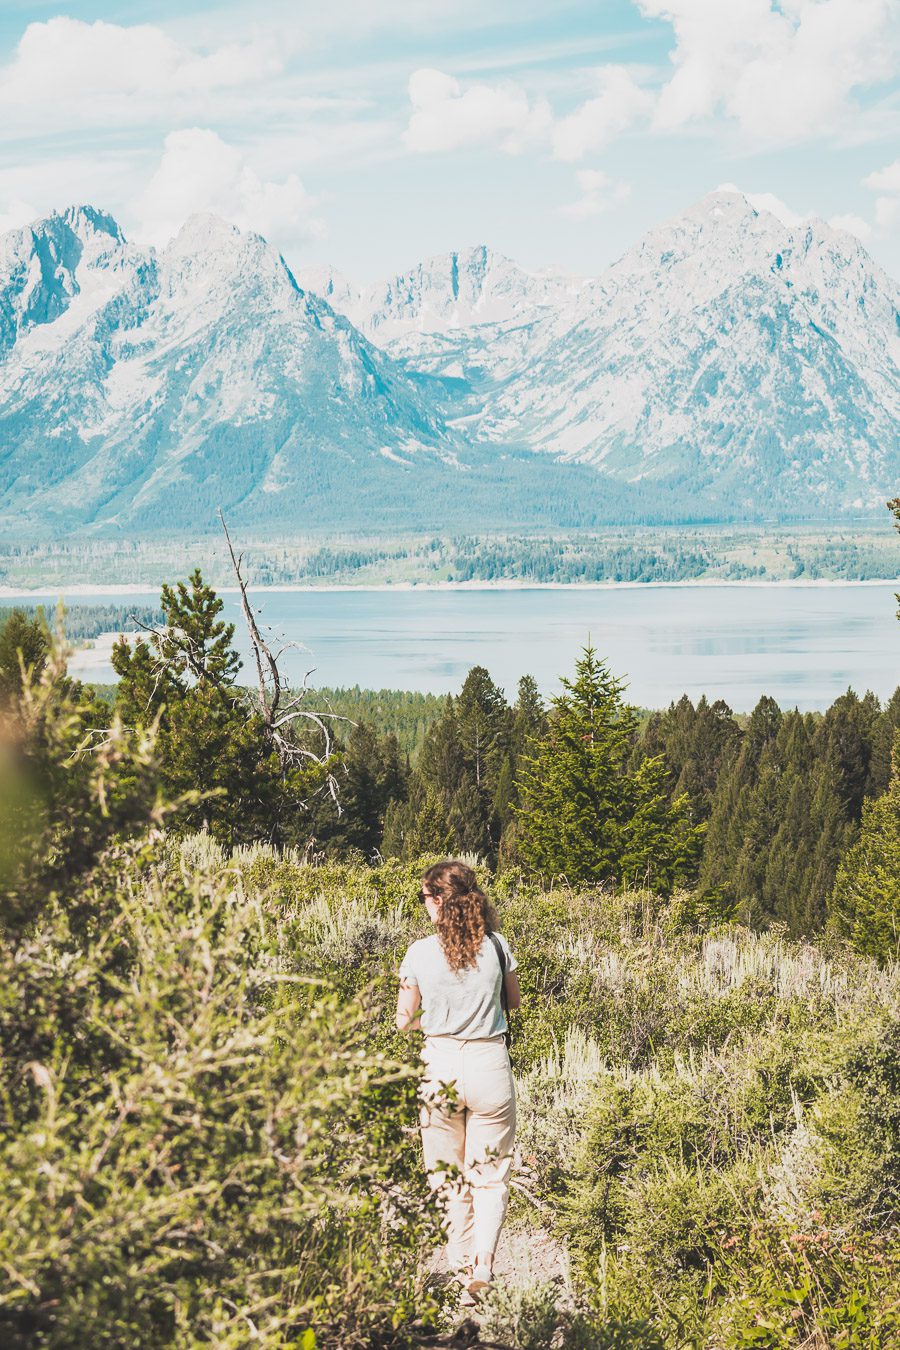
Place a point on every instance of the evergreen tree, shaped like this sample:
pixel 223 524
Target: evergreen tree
pixel 372 773
pixel 886 727
pixel 429 830
pixel 845 737
pixel 528 722
pixel 460 785
pixel 865 902
pixel 529 715
pixel 734 814
pixel 695 742
pixel 210 743
pixel 584 814
pixel 23 642
pixel 482 728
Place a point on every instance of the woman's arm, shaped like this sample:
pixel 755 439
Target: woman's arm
pixel 409 1003
pixel 513 992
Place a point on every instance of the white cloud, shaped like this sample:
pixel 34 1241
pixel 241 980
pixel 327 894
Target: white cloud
pixel 885 180
pixel 887 206
pixel 767 201
pixel 70 72
pixel 620 102
pixel 599 193
pixel 15 214
pixel 201 172
pixel 853 225
pixel 784 72
pixel 41 184
pixel 887 212
pixel 445 117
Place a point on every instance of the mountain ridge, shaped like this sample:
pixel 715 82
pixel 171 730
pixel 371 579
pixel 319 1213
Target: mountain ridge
pixel 724 361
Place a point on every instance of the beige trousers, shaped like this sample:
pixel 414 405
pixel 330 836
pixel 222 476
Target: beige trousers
pixel 468 1118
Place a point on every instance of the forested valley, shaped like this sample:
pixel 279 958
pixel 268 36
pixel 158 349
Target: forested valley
pixel 207 1117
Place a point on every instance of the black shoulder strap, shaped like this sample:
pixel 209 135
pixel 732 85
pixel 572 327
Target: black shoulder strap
pixel 501 957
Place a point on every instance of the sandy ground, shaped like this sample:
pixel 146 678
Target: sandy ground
pixel 524 1256
pixel 83 591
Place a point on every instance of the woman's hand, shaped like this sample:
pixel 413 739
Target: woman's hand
pixel 409 1003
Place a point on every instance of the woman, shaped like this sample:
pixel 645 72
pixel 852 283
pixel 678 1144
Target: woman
pixel 451 987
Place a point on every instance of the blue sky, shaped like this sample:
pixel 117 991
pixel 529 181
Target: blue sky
pixel 372 134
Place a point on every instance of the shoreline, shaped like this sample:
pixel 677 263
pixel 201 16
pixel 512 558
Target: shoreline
pixel 83 589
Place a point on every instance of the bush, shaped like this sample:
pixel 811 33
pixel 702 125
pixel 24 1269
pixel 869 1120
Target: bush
pixel 199 1147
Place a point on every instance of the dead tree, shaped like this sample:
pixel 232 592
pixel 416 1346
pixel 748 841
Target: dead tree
pixel 281 707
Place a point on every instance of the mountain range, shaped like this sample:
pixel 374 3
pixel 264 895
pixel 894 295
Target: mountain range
pixel 728 366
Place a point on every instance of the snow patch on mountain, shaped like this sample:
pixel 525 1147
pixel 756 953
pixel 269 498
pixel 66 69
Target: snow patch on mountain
pixel 727 362
pixel 449 291
pixel 724 348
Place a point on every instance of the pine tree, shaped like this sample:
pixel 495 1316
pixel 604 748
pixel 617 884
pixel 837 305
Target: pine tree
pixel 865 902
pixel 845 735
pixel 529 715
pixel 371 775
pixel 730 865
pixel 696 743
pixel 584 814
pixel 886 727
pixel 429 831
pixel 210 744
pixel 23 642
pixel 482 728
pixel 527 723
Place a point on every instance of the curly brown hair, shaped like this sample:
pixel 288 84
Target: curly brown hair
pixel 466 914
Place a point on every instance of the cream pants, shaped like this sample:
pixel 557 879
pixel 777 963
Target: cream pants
pixel 468 1118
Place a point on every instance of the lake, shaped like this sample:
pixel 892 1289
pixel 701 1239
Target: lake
pixel 804 645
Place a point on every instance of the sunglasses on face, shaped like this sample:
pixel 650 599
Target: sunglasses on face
pixel 425 895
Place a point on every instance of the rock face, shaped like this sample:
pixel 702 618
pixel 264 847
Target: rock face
pixel 726 366
pixel 145 390
pixel 726 358
pixel 450 292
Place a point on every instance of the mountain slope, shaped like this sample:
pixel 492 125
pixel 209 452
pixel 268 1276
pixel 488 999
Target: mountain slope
pixel 727 359
pixel 729 356
pixel 444 293
pixel 726 366
pixel 134 383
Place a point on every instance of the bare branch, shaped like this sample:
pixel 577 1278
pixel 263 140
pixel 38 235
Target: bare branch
pixel 265 661
pixel 277 716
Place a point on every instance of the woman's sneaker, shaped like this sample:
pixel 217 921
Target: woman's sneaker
pixel 479 1280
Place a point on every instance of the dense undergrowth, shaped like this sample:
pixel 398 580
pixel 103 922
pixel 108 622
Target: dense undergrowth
pixel 709 1118
pixel 208 1118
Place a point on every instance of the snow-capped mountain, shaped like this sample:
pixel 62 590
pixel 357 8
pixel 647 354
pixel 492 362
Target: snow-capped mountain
pixel 726 356
pixel 727 365
pixel 145 390
pixel 450 291
pixel 730 354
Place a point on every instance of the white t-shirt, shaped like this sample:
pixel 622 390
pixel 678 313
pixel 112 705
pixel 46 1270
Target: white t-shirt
pixel 464 1003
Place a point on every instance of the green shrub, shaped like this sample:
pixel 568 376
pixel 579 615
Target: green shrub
pixel 198 1148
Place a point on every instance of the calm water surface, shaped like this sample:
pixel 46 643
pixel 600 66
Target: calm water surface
pixel 803 645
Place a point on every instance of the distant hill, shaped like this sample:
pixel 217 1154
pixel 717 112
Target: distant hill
pixel 726 367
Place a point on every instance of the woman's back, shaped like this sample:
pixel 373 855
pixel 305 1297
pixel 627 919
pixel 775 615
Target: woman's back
pixel 465 1002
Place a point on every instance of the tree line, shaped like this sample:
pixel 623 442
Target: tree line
pixel 782 816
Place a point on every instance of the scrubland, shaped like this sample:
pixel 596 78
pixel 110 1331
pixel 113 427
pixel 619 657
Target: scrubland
pixel 209 1120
